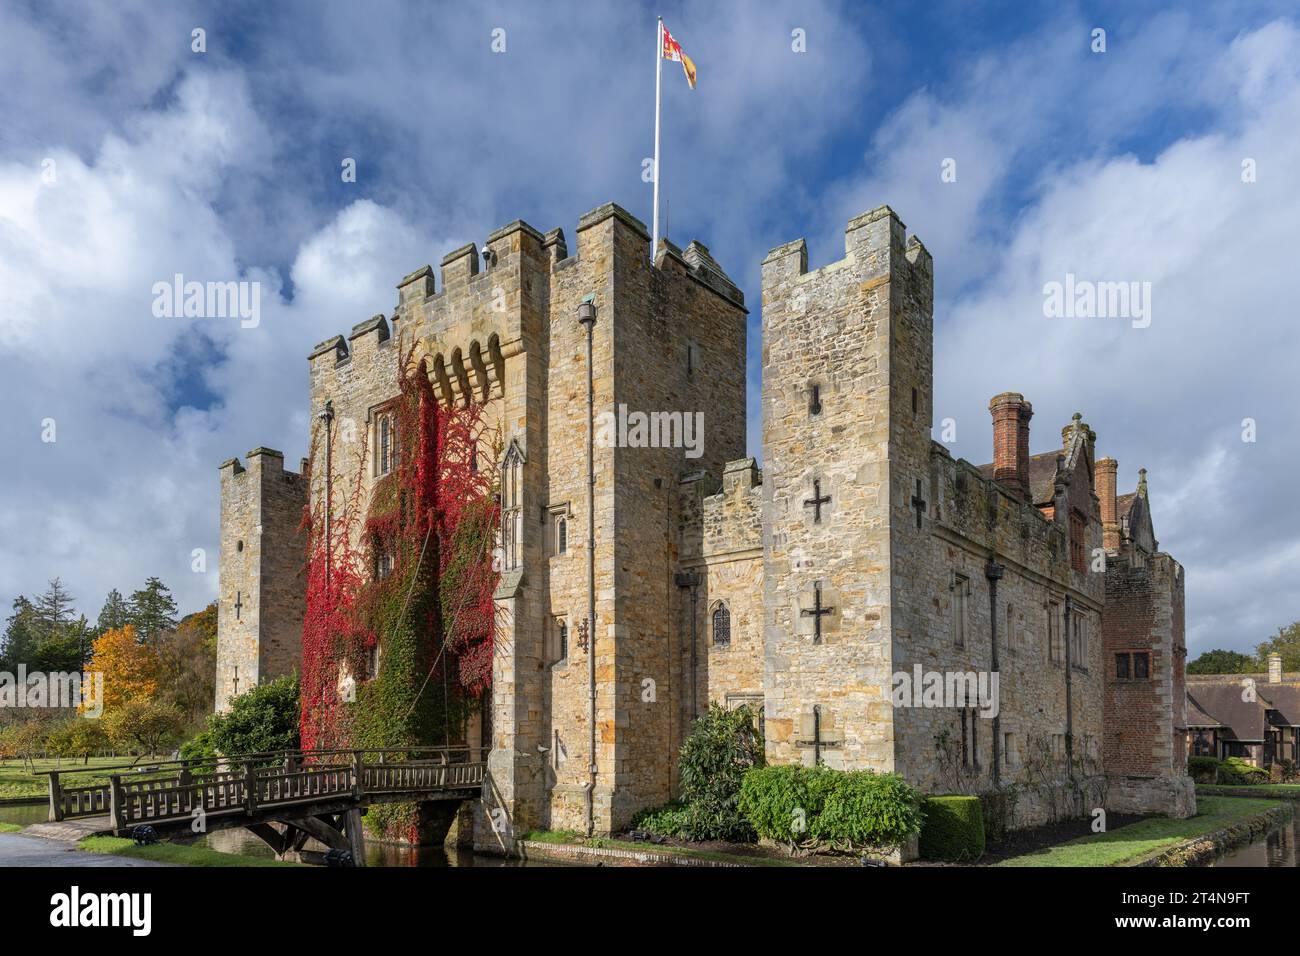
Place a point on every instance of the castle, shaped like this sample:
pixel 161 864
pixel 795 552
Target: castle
pixel 814 589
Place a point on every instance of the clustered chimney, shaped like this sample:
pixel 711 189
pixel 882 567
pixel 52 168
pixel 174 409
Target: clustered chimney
pixel 1011 414
pixel 1107 471
pixel 1275 668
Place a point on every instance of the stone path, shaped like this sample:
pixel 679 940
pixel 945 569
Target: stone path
pixel 19 849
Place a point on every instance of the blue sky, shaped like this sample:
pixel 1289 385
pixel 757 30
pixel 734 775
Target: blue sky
pixel 1120 165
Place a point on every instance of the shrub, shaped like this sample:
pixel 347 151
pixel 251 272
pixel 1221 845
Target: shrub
pixel 1234 771
pixel 199 748
pixel 1203 769
pixel 261 720
pixel 820 808
pixel 670 820
pixel 867 809
pixel 723 745
pixel 953 828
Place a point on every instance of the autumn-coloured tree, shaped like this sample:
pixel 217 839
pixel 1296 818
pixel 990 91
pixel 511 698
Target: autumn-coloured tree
pixel 144 726
pixel 130 668
pixel 187 664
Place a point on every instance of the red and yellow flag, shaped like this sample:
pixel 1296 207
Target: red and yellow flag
pixel 673 51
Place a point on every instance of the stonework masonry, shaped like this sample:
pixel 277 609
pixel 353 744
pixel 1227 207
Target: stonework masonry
pixel 860 550
pixel 260 605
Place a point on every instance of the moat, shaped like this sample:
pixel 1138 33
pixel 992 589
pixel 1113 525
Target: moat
pixel 1279 847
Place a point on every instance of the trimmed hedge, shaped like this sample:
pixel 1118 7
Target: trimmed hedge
pixel 820 807
pixel 953 828
pixel 1203 769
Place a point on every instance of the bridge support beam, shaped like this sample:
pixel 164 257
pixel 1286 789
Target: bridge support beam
pixel 356 835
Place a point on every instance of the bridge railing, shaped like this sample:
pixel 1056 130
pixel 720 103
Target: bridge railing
pixel 175 789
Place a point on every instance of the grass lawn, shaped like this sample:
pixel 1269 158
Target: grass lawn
pixel 9 828
pixel 1137 841
pixel 1252 789
pixel 172 853
pixel 574 838
pixel 17 781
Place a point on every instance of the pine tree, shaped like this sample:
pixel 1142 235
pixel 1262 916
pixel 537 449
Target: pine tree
pixel 53 611
pixel 115 612
pixel 20 637
pixel 152 611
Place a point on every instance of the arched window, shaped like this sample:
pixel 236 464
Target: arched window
pixel 721 625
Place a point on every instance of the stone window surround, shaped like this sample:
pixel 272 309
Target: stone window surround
pixel 960 587
pixel 719 606
pixel 552 515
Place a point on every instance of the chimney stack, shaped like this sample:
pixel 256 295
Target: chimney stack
pixel 1275 668
pixel 1011 414
pixel 1107 470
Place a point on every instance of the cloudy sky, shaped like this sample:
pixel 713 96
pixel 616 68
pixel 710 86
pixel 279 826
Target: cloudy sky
pixel 126 157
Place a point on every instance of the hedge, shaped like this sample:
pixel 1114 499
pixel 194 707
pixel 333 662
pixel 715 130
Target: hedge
pixel 1203 769
pixel 953 828
pixel 816 807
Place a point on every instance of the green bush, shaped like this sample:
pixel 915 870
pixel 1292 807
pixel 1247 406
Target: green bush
pixel 816 807
pixel 1203 769
pixel 259 721
pixel 1235 771
pixel 670 820
pixel 723 745
pixel 953 828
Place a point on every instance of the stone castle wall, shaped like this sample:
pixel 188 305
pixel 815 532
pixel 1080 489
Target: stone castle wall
pixel 832 330
pixel 262 554
pixel 848 408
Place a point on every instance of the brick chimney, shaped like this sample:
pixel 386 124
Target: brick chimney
pixel 1107 470
pixel 1011 414
pixel 1275 668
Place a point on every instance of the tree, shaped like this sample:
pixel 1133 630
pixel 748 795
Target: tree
pixel 187 664
pixel 1286 643
pixel 145 726
pixel 53 610
pixel 115 613
pixel 20 638
pixel 77 737
pixel 152 610
pixel 1222 662
pixel 130 668
pixel 260 720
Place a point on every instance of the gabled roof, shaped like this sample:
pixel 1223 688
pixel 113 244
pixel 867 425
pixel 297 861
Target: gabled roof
pixel 1283 698
pixel 1196 715
pixel 1223 700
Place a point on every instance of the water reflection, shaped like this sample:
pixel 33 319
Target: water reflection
pixel 243 843
pixel 1276 848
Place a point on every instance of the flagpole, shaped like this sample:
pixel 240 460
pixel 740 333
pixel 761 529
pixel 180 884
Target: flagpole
pixel 659 65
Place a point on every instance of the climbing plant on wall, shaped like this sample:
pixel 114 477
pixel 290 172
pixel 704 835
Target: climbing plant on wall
pixel 399 624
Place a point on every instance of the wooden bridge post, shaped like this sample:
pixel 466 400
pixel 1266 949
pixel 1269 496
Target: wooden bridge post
pixel 356 835
pixel 116 804
pixel 358 768
pixel 442 774
pixel 56 797
pixel 250 787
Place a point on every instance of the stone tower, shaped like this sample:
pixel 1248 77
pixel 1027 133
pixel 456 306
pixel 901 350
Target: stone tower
pixel 1146 656
pixel 847 372
pixel 261 586
pixel 499 327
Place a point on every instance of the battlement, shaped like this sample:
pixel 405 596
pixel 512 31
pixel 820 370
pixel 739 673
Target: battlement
pixel 493 299
pixel 874 243
pixel 266 462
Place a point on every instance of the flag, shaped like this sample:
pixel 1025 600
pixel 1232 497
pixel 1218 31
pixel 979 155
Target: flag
pixel 673 51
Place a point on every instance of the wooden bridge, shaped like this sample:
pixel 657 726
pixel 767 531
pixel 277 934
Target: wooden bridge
pixel 285 798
